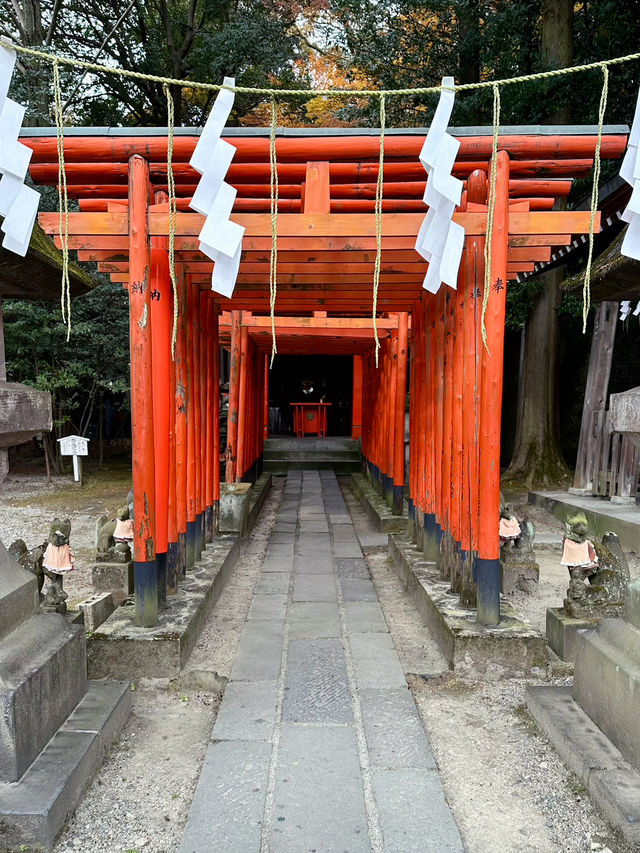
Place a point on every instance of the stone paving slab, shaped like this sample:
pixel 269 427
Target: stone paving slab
pixel 314 564
pixel 364 616
pixel 352 567
pixel 228 806
pixel 376 661
pixel 298 771
pixel 247 711
pixel 394 732
pixel 357 589
pixel 273 583
pixel 313 620
pixel 414 815
pixel 317 686
pixel 259 652
pixel 318 801
pixel 268 607
pixel 314 588
pixel 347 549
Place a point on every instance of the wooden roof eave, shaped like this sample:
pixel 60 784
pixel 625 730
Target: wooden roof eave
pixel 614 276
pixel 38 274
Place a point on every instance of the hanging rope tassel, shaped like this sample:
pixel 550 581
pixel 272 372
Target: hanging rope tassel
pixel 586 289
pixel 378 211
pixel 273 261
pixel 491 206
pixel 63 200
pixel 173 209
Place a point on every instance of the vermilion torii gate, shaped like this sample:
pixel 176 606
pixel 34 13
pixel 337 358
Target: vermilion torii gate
pixel 326 254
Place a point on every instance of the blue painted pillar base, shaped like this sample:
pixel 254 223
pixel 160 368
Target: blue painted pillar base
pixel 208 524
pixel 411 514
pixel 431 546
pixel 173 557
pixel 161 568
pixel 487 578
pixel 191 544
pixel 439 535
pixel 418 528
pixel 182 555
pixel 145 580
pixel 199 535
pixel 397 500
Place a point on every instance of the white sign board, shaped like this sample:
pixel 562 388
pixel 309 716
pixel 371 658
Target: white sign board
pixel 74 445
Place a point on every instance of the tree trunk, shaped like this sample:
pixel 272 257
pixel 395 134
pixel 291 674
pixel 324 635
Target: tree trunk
pixel 537 459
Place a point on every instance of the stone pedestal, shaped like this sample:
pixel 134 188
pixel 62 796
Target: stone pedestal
pixel 45 759
pixel 234 507
pixel 116 578
pixel 562 632
pixel 518 576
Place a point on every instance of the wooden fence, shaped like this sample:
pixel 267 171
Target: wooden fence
pixel 612 460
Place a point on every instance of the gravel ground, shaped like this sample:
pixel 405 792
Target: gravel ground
pixel 508 790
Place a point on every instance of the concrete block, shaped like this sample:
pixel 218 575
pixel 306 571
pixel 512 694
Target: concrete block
pixel 19 598
pixel 97 609
pixel 319 802
pixel 120 649
pixel 25 413
pixel 562 632
pixel 42 678
pixel 613 784
pixel 234 507
pixel 394 732
pixel 431 828
pixel 317 686
pixel 376 661
pixel 513 649
pixel 228 806
pixel 247 711
pixel 607 683
pixel 116 578
pixel 33 810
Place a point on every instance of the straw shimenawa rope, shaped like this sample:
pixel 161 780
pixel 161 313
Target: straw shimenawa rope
pixel 491 207
pixel 273 260
pixel 382 94
pixel 586 290
pixel 63 200
pixel 173 209
pixel 378 213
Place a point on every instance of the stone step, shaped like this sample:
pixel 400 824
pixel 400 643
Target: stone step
pixel 34 809
pixel 330 443
pixel 340 466
pixel 322 455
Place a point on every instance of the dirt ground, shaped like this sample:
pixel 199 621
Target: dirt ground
pixel 508 790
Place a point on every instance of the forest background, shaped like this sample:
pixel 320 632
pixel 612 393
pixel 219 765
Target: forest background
pixel 329 44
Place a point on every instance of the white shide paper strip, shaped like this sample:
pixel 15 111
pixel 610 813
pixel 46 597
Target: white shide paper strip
pixel 220 238
pixel 440 240
pixel 18 203
pixel 630 172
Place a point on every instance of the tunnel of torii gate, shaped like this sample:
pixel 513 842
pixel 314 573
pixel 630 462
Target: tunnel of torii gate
pixel 326 254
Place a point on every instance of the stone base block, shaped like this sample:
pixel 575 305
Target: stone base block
pixel 377 507
pixel 116 578
pixel 234 507
pixel 607 683
pixel 562 632
pixel 97 610
pixel 612 783
pixel 258 496
pixel 513 649
pixel 120 649
pixel 42 678
pixel 518 577
pixel 34 810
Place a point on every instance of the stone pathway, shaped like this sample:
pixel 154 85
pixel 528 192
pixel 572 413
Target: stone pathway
pixel 318 745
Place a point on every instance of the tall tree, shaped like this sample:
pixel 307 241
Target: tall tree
pixel 537 458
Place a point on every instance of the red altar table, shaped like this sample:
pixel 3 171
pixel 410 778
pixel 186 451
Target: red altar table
pixel 310 418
